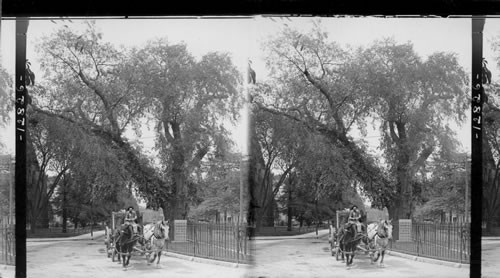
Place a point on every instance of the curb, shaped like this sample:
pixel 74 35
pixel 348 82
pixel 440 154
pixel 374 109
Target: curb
pixel 206 261
pixel 426 260
pixel 304 236
pixel 80 237
pixel 490 238
pixel 7 270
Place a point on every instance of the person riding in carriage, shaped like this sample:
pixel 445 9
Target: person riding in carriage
pixel 131 218
pixel 354 218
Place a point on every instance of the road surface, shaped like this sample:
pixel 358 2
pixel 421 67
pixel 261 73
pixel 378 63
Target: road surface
pixel 87 258
pixel 490 258
pixel 275 258
pixel 311 258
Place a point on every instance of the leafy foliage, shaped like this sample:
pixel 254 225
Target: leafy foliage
pixel 100 92
pixel 6 100
pixel 331 90
pixel 190 100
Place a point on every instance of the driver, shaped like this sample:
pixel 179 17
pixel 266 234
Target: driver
pixel 130 218
pixel 354 217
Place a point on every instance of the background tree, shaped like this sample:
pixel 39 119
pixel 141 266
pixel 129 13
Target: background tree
pixel 217 187
pixel 191 98
pixel 6 101
pixel 63 151
pixel 491 155
pixel 6 105
pixel 415 100
pixel 444 191
pixel 277 144
pixel 321 182
pixel 87 84
pixel 314 83
pixel 332 90
pixel 105 92
pixel 491 149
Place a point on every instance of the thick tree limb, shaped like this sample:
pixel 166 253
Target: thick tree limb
pixel 365 171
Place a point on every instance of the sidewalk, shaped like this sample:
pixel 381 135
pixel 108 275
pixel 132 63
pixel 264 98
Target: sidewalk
pixel 321 233
pixel 427 260
pixel 490 238
pixel 97 235
pixel 7 271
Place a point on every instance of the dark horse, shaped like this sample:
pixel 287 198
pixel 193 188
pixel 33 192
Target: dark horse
pixel 125 244
pixel 348 242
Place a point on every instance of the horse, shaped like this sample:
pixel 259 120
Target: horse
pixel 348 242
pixel 155 236
pixel 379 235
pixel 125 244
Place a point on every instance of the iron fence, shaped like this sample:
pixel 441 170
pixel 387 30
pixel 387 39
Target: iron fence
pixel 444 241
pixel 225 242
pixel 7 245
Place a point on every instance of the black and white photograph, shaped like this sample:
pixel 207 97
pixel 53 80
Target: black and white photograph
pixel 248 147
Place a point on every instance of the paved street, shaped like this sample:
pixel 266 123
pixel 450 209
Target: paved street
pixel 311 258
pixel 87 258
pixel 490 258
pixel 292 257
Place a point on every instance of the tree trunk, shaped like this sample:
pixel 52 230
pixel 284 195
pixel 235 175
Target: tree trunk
pixel 64 205
pixel 289 210
pixel 404 184
pixel 32 224
pixel 64 220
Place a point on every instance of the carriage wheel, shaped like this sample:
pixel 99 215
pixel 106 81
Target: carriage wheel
pixel 108 246
pixel 108 249
pixel 113 253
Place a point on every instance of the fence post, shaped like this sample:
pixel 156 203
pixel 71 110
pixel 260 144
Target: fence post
pixel 461 241
pixel 418 238
pixel 194 239
pixel 210 241
pixel 238 243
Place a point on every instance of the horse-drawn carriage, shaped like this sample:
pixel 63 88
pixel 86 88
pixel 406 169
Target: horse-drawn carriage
pixel 345 239
pixel 122 241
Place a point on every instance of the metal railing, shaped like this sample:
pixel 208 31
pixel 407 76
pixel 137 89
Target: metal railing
pixel 443 241
pixel 7 245
pixel 225 242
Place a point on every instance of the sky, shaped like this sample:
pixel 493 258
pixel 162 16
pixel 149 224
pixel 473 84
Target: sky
pixel 242 38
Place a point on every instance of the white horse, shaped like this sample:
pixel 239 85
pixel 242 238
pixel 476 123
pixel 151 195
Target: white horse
pixel 155 235
pixel 379 235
